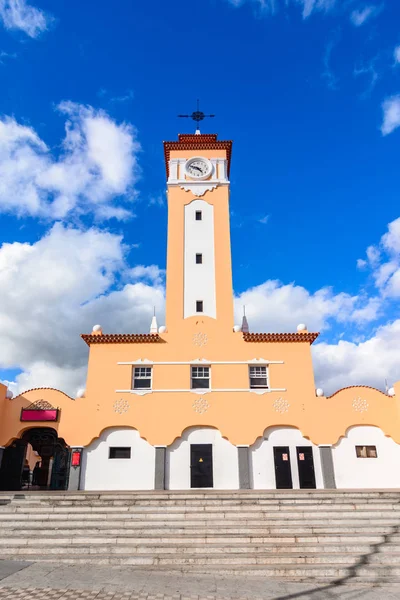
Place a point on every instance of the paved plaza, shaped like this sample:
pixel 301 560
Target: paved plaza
pixel 52 581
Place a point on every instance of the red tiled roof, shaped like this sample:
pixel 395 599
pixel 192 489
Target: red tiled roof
pixel 280 337
pixel 191 141
pixel 348 387
pixel 122 338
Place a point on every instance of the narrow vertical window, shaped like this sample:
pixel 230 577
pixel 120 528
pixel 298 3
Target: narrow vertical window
pixel 199 216
pixel 199 305
pixel 199 259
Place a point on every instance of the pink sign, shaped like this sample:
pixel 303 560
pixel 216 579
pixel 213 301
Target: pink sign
pixel 39 415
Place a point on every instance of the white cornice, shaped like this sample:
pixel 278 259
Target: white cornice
pixel 259 392
pixel 253 361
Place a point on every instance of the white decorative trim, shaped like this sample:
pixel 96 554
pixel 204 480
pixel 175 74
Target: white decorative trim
pixel 198 188
pixel 178 175
pixel 204 391
pixel 211 362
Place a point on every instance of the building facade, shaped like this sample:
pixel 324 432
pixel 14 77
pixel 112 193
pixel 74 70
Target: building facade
pixel 200 402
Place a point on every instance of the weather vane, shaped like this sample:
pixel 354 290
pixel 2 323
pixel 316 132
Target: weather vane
pixel 197 116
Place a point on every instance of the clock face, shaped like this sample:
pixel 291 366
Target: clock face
pixel 198 168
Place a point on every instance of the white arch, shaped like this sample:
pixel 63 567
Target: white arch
pixel 225 459
pixel 99 472
pixel 353 472
pixel 262 457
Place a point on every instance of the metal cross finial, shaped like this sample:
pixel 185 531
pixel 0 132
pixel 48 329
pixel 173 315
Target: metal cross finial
pixel 197 116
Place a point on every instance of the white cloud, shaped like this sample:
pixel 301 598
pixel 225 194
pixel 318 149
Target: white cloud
pixel 18 14
pixel 271 6
pixel 384 261
pixel 360 16
pixel 96 166
pixel 391 114
pixel 58 288
pixel 273 306
pixel 396 55
pixel 365 363
pixel 264 220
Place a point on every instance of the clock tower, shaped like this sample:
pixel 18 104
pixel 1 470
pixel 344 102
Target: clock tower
pixel 199 273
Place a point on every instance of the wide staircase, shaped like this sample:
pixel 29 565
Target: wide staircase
pixel 300 535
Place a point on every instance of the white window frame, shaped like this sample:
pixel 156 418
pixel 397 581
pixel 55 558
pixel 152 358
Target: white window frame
pixel 138 379
pixel 199 389
pixel 259 387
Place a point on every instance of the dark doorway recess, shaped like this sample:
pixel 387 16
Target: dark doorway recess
pixel 201 467
pixel 52 470
pixel 305 461
pixel 283 472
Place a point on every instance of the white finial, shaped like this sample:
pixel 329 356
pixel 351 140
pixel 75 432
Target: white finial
pixel 391 391
pixel 96 328
pixel 197 132
pixel 9 395
pixel 81 393
pixel 236 328
pixel 302 327
pixel 319 392
pixel 162 329
pixel 245 325
pixel 154 326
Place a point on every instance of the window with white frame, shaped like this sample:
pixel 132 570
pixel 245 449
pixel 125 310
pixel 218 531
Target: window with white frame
pixel 142 378
pixel 258 377
pixel 200 378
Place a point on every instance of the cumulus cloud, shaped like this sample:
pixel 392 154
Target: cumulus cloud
pixel 360 16
pixel 273 306
pixel 18 14
pixel 58 288
pixel 95 171
pixel 366 363
pixel 391 114
pixel 384 261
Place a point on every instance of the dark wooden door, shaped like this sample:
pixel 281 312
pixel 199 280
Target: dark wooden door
pixel 12 465
pixel 283 472
pixel 305 461
pixel 201 468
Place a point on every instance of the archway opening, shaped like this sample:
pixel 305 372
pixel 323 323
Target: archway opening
pixel 38 460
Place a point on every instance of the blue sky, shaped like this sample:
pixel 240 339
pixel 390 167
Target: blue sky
pixel 309 92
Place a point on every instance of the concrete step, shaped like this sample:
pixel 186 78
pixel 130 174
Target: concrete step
pixel 226 502
pixel 373 533
pixel 179 550
pixel 191 558
pixel 184 542
pixel 325 509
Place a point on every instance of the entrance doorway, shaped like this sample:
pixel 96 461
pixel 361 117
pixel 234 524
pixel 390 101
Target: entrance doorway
pixel 305 462
pixel 283 471
pixel 201 466
pixel 51 470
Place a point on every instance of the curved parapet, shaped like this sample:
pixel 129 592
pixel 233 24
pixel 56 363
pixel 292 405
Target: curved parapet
pixel 37 407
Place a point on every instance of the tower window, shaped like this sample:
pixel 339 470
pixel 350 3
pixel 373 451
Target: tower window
pixel 200 377
pixel 199 215
pixel 199 259
pixel 258 377
pixel 142 378
pixel 199 305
